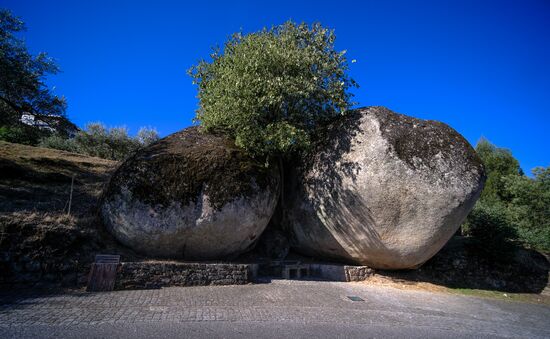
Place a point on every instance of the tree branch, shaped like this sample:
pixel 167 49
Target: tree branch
pixel 12 105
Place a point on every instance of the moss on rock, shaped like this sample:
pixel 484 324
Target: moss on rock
pixel 180 166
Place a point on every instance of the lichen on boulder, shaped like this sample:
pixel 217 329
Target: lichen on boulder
pixel 191 195
pixel 382 189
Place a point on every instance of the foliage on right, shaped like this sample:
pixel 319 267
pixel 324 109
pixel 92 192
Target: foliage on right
pixel 270 89
pixel 512 206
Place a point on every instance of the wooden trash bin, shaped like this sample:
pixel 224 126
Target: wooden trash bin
pixel 103 273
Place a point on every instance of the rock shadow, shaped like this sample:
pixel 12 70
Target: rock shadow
pixel 330 195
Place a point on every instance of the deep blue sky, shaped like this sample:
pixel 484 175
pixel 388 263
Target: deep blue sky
pixel 482 67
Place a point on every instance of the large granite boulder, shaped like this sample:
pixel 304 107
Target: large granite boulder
pixel 190 195
pixel 384 190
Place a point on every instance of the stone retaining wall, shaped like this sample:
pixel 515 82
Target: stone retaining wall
pixel 358 273
pixel 141 275
pixel 55 271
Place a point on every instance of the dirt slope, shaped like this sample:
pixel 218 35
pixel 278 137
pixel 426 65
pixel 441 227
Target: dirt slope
pixel 39 241
pixel 38 179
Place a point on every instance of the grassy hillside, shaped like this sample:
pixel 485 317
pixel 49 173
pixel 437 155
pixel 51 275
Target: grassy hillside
pixel 39 241
pixel 38 180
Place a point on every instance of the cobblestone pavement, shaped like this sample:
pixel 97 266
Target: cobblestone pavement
pixel 277 309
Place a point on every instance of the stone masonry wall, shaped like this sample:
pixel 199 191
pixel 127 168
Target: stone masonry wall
pixel 141 275
pixel 358 273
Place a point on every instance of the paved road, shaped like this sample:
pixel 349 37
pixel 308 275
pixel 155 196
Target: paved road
pixel 280 309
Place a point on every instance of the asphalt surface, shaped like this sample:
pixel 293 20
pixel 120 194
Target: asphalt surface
pixel 280 309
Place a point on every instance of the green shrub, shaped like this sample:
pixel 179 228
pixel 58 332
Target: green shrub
pixel 102 142
pixel 489 225
pixel 59 142
pixel 22 134
pixel 529 207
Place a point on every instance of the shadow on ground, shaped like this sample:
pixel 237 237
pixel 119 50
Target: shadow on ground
pixel 462 264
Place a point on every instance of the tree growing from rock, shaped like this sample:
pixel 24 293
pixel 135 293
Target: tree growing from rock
pixel 271 89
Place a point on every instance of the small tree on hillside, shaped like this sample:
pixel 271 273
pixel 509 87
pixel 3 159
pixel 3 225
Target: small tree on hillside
pixel 269 90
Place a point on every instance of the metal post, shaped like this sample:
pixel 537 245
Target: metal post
pixel 71 195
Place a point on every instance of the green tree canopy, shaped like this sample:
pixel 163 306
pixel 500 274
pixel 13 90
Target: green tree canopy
pixel 512 205
pixel 271 89
pixel 499 162
pixel 529 206
pixel 22 78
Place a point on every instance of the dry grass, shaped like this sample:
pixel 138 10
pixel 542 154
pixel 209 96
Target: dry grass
pixel 24 152
pixel 35 185
pixel 403 284
pixel 381 280
pixel 34 217
pixel 36 180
